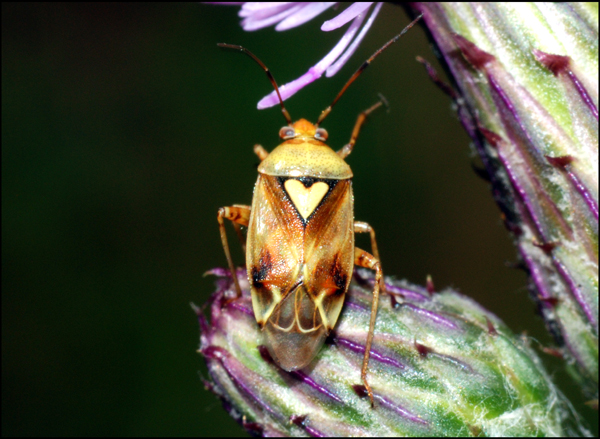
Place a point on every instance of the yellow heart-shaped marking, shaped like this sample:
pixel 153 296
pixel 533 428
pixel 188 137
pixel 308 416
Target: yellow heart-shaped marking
pixel 306 199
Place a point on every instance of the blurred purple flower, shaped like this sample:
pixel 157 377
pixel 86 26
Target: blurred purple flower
pixel 286 15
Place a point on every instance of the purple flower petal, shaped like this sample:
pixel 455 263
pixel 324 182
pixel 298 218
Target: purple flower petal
pixel 263 9
pixel 339 48
pixel 306 13
pixel 345 16
pixel 288 89
pixel 315 72
pixel 268 17
pixel 332 70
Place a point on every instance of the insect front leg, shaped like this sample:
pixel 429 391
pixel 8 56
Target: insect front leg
pixel 260 152
pixel 362 117
pixel 239 215
pixel 367 260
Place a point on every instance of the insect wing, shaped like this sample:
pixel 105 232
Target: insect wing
pixel 299 266
pixel 274 247
pixel 329 251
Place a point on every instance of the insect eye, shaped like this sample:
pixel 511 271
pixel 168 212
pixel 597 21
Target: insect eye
pixel 287 133
pixel 321 134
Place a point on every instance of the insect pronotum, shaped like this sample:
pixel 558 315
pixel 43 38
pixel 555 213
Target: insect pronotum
pixel 300 251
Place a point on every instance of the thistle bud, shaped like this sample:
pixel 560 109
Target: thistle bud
pixel 440 365
pixel 526 77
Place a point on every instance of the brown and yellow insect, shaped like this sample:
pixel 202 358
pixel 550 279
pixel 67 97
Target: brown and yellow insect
pixel 300 251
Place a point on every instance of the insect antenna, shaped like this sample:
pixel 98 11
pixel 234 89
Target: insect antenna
pixel 361 69
pixel 267 71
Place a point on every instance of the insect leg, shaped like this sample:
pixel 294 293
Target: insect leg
pixel 236 214
pixel 260 152
pixel 347 149
pixel 362 227
pixel 367 260
pixel 238 228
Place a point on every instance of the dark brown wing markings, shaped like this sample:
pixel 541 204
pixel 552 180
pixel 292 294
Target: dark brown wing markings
pixel 260 273
pixel 340 278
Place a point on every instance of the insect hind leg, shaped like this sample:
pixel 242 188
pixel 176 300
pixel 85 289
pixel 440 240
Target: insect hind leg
pixel 367 260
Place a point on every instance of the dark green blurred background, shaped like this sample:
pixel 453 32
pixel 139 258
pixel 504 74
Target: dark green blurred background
pixel 124 128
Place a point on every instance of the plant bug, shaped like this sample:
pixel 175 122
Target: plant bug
pixel 300 251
